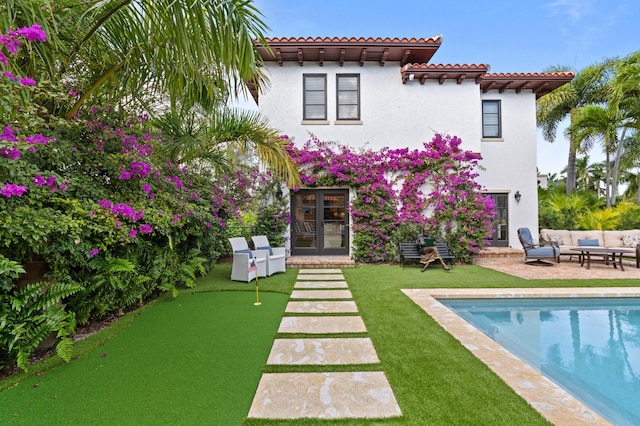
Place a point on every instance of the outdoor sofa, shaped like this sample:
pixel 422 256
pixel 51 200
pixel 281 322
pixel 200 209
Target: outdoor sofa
pixel 568 239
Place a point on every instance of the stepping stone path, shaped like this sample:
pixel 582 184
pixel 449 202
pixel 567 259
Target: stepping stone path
pixel 317 308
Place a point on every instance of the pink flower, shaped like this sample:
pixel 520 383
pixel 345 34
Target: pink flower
pixel 94 252
pixel 27 81
pixel 33 33
pixel 145 229
pixel 132 233
pixel 38 139
pixel 13 153
pixel 8 135
pixel 10 190
pixel 39 180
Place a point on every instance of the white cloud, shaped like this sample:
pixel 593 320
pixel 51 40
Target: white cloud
pixel 575 9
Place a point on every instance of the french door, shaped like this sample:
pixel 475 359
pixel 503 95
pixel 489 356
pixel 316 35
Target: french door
pixel 320 222
pixel 500 235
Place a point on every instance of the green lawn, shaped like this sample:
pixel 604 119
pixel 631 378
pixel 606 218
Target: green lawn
pixel 197 359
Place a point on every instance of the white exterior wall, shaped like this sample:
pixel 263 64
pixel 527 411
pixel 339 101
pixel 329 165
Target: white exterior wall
pixel 392 114
pixel 510 164
pixel 407 115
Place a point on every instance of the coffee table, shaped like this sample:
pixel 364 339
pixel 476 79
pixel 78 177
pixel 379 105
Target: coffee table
pixel 609 255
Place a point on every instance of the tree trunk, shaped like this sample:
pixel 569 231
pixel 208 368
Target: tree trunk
pixel 616 167
pixel 607 179
pixel 571 161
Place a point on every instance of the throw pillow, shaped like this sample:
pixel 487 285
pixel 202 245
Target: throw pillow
pixel 268 248
pixel 630 241
pixel 245 251
pixel 556 238
pixel 589 242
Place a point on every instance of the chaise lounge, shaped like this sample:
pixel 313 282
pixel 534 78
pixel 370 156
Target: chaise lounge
pixel 536 251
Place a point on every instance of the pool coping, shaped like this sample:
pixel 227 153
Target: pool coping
pixel 550 400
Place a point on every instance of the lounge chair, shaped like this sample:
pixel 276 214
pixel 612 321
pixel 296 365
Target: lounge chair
pixel 247 264
pixel 537 251
pixel 276 256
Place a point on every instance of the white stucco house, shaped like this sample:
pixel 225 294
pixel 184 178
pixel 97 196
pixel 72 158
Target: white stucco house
pixel 386 91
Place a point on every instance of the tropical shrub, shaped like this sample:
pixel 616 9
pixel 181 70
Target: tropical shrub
pixel 115 223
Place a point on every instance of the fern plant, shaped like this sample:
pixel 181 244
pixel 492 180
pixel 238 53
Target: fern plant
pixel 29 314
pixel 114 284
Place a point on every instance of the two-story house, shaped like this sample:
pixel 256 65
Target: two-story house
pixel 386 92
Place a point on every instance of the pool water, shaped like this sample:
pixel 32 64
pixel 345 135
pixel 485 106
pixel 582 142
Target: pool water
pixel 588 346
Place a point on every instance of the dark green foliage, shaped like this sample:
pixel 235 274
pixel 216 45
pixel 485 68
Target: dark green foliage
pixel 31 313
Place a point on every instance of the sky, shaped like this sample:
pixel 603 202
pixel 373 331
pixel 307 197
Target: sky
pixel 510 35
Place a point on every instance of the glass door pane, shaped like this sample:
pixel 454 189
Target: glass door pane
pixel 500 237
pixel 334 212
pixel 304 223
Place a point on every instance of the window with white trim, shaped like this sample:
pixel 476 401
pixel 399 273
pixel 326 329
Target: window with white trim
pixel 315 97
pixel 491 120
pixel 348 96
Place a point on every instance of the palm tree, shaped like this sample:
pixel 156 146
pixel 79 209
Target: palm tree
pixel 630 164
pixel 597 123
pixel 583 178
pixel 625 99
pixel 222 140
pixel 144 50
pixel 154 56
pixel 565 101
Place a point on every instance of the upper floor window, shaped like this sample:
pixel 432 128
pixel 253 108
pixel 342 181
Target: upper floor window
pixel 348 96
pixel 315 97
pixel 491 125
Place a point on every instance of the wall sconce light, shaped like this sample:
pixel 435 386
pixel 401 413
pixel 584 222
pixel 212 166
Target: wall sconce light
pixel 412 76
pixel 279 193
pixel 517 196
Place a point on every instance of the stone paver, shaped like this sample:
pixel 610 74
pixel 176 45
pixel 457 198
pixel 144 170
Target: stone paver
pixel 324 396
pixel 320 277
pixel 319 271
pixel 327 351
pixel 322 307
pixel 322 325
pixel 321 284
pixel 321 294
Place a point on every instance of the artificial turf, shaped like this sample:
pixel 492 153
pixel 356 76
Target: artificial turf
pixel 197 359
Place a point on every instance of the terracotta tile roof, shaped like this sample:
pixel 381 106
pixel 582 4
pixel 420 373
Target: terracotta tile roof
pixel 540 83
pixel 442 72
pixel 447 67
pixel 413 54
pixel 349 49
pixel 533 74
pixel 377 40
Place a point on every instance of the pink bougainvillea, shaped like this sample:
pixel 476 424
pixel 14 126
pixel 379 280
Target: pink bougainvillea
pixel 389 185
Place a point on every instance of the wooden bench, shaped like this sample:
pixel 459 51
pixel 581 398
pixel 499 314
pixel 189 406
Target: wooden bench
pixel 408 251
pixel 445 253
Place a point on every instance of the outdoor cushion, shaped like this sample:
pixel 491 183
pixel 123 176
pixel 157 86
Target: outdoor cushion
pixel 268 248
pixel 245 251
pixel 545 251
pixel 630 241
pixel 588 242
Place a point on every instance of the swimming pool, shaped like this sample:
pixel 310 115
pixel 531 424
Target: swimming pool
pixel 552 401
pixel 589 346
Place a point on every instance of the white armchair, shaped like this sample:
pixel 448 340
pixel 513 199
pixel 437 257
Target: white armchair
pixel 244 259
pixel 276 256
